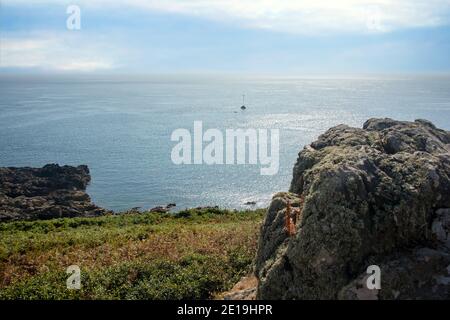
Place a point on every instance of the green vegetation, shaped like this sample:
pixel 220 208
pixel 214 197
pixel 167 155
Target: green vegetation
pixel 192 254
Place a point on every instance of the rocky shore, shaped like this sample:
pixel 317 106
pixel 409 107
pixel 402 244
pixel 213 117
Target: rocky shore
pixel 52 191
pixel 359 197
pixel 379 196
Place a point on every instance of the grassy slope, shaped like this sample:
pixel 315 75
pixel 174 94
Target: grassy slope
pixel 194 254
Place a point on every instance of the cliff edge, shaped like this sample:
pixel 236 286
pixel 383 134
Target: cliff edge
pixel 52 191
pixel 380 196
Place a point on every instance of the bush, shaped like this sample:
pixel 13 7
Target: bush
pixel 193 254
pixel 194 277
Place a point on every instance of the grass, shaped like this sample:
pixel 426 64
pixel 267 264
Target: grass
pixel 193 254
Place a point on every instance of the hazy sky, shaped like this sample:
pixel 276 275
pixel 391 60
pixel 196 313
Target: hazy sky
pixel 250 36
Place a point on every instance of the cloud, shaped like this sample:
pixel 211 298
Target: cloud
pixel 317 16
pixel 149 43
pixel 296 16
pixel 55 52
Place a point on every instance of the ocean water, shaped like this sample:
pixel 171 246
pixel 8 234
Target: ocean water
pixel 120 126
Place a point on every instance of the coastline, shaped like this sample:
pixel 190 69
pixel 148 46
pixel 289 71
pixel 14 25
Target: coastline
pixel 372 197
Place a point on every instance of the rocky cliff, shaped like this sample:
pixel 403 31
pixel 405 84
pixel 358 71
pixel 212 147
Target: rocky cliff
pixel 380 196
pixel 43 193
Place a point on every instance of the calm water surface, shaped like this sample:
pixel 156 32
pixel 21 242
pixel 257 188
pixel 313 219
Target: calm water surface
pixel 120 127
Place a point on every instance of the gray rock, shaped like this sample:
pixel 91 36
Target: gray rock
pixel 367 196
pixel 246 294
pixel 44 193
pixel 159 209
pixel 245 289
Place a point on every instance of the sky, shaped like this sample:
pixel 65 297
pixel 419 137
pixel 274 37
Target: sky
pixel 226 36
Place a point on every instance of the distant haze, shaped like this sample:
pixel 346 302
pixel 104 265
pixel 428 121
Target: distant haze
pixel 246 36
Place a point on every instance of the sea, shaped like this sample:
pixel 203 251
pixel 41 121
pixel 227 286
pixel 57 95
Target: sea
pixel 121 127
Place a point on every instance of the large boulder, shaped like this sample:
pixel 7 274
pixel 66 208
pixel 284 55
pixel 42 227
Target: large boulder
pixel 43 193
pixel 379 195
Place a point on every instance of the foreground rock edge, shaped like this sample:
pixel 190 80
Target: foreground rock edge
pixel 372 196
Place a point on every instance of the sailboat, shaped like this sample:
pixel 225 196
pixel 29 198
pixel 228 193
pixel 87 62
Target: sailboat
pixel 243 107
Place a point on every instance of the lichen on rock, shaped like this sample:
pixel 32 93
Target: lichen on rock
pixel 377 195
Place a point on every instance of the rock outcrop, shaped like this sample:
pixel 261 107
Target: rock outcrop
pixel 245 289
pixel 380 196
pixel 43 193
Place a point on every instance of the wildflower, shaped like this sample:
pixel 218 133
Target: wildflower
pixel 292 216
pixel 288 222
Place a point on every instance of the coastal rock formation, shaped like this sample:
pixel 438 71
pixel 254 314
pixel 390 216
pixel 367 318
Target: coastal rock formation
pixel 380 196
pixel 43 193
pixel 245 289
